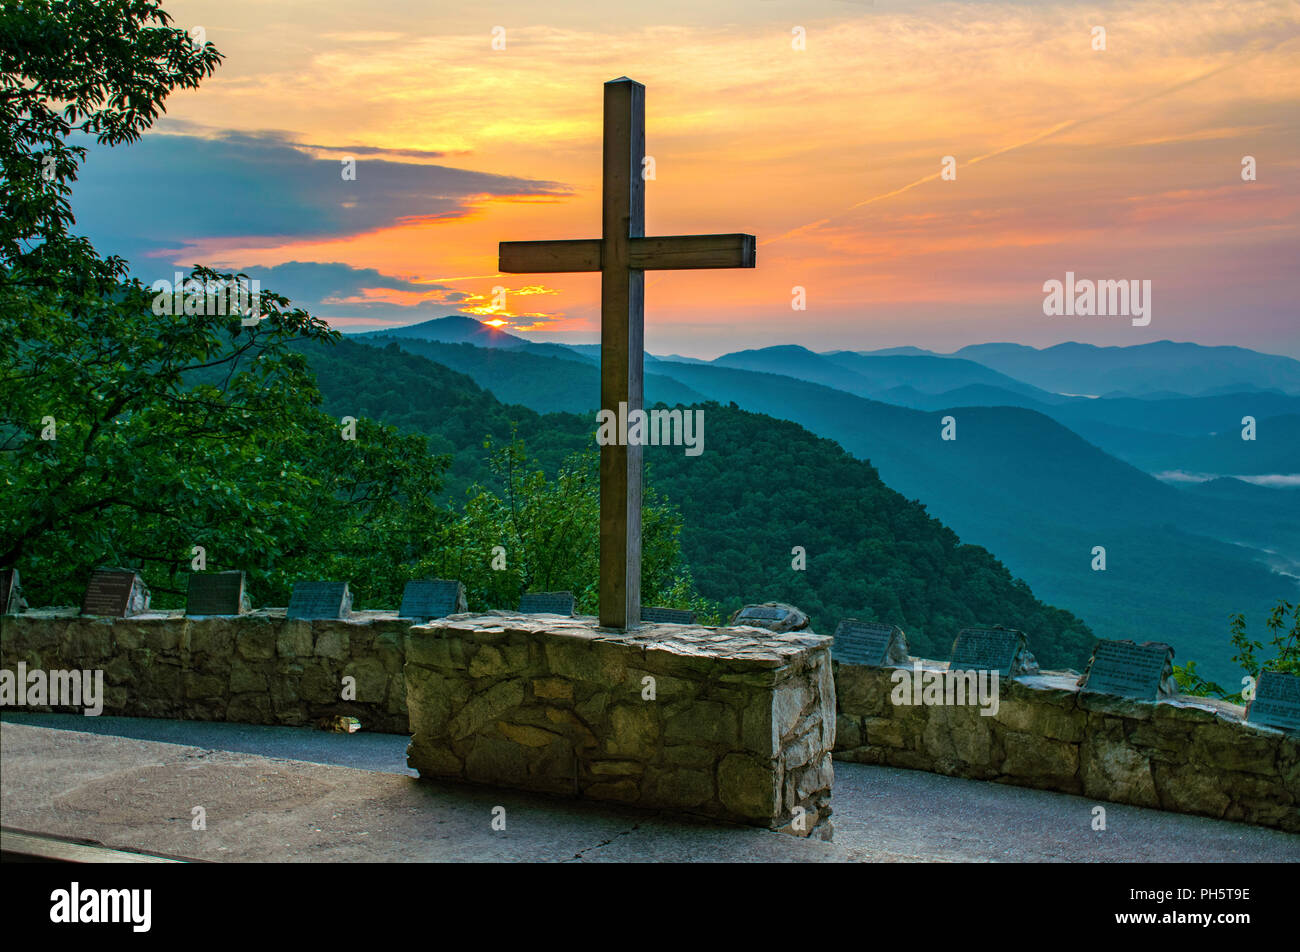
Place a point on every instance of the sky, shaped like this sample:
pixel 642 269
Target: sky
pixel 820 127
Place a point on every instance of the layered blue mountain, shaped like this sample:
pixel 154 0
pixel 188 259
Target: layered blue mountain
pixel 1162 366
pixel 1033 483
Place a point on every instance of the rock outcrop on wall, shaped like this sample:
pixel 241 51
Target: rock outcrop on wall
pixel 734 723
pixel 1189 755
pixel 258 668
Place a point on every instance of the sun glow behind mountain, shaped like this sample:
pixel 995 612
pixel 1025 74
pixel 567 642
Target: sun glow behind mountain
pixel 1120 163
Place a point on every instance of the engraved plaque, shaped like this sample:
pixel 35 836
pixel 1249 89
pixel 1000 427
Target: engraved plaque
pixel 546 603
pixel 215 593
pixel 865 642
pixel 988 649
pixel 425 600
pixel 773 616
pixel 760 613
pixel 1127 669
pixel 312 600
pixel 115 593
pixel 667 616
pixel 1277 701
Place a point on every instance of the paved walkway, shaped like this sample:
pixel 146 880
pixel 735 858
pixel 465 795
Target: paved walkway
pixel 127 792
pixel 363 750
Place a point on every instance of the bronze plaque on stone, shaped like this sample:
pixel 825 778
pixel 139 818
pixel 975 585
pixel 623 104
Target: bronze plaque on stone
pixel 215 593
pixel 989 649
pixel 1126 669
pixel 546 603
pixel 427 599
pixel 1277 701
pixel 115 593
pixel 760 613
pixel 866 642
pixel 318 600
pixel 773 616
pixel 667 616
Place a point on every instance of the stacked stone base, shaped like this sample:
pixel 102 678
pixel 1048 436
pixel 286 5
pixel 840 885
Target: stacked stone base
pixel 730 723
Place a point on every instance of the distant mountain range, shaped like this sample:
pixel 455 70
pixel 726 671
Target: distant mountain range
pixel 1196 431
pixel 1036 477
pixel 875 375
pixel 1159 368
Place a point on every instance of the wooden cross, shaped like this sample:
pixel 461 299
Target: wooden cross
pixel 622 255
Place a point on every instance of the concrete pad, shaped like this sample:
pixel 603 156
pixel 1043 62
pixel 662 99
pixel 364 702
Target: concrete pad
pixel 137 794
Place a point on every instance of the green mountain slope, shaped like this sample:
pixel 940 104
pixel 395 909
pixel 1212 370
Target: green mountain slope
pixel 1192 434
pixel 1038 496
pixel 762 487
pixel 1042 498
pixel 544 377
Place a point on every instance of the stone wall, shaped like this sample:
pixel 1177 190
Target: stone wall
pixel 498 700
pixel 1189 755
pixel 259 668
pixel 740 725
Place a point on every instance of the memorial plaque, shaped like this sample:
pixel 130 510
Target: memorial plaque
pixel 313 600
pixel 1277 701
pixel 668 616
pixel 215 593
pixel 773 616
pixel 1126 669
pixel 990 649
pixel 11 593
pixel 546 603
pixel 427 599
pixel 866 642
pixel 115 593
pixel 760 613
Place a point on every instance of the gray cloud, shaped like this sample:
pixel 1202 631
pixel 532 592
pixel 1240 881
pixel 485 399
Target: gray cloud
pixel 166 191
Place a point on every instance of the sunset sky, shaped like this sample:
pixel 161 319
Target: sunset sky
pixel 1116 163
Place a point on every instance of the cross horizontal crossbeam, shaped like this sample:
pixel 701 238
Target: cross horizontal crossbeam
pixel 670 253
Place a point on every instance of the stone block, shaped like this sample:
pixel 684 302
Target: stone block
pixel 1041 759
pixel 561 706
pixel 553 689
pixel 293 638
pixel 331 640
pixel 256 642
pixel 371 679
pixel 633 731
pixel 1113 770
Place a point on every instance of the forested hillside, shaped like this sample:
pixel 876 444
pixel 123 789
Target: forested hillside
pixel 1025 486
pixel 761 487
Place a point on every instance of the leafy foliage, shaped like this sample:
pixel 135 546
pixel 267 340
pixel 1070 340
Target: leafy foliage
pixel 525 532
pixel 100 68
pixel 1284 642
pixel 128 437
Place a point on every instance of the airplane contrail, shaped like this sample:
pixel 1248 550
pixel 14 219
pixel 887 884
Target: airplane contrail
pixel 1038 137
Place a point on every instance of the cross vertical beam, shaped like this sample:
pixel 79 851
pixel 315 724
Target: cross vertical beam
pixel 622 348
pixel 622 255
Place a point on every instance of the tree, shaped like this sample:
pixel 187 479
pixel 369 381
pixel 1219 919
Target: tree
pixel 156 440
pixel 530 533
pixel 1284 642
pixel 100 68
